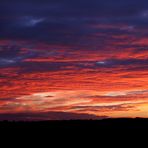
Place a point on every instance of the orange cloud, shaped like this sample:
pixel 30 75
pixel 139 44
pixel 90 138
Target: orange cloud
pixel 103 81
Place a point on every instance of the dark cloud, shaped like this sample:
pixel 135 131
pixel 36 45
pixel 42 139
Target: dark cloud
pixel 123 62
pixel 7 99
pixel 87 7
pixel 67 22
pixel 12 54
pixel 47 116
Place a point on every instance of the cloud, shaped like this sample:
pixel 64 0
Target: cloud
pixel 117 62
pixel 68 22
pixel 75 101
pixel 30 21
pixel 48 116
pixel 110 108
pixel 126 93
pixel 55 55
pixel 14 53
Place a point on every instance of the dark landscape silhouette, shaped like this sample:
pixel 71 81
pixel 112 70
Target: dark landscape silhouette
pixel 102 124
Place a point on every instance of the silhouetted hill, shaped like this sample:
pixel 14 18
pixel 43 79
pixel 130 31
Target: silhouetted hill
pixel 105 124
pixel 115 129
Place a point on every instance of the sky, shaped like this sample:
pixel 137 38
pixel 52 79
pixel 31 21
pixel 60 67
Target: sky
pixel 73 59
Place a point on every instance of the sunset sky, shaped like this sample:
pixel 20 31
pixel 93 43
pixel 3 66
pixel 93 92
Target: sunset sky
pixel 73 59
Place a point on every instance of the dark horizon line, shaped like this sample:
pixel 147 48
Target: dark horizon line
pixel 104 119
